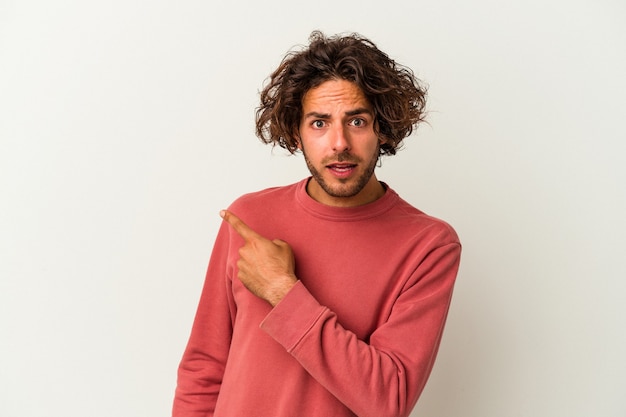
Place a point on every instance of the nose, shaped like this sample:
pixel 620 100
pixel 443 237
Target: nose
pixel 340 141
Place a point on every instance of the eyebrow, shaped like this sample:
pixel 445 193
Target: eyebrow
pixel 360 110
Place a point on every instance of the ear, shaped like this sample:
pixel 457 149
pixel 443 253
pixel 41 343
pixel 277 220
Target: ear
pixel 298 143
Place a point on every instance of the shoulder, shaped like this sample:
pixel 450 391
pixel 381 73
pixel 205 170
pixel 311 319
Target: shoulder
pixel 263 203
pixel 426 226
pixel 267 194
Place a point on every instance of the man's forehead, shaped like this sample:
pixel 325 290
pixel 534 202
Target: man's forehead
pixel 332 93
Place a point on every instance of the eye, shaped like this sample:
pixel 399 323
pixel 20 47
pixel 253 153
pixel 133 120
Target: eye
pixel 318 124
pixel 357 122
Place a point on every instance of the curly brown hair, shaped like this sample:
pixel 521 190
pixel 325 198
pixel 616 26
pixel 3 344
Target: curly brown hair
pixel 397 96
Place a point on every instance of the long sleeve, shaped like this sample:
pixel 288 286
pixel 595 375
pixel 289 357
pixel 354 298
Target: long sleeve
pixel 202 367
pixel 385 375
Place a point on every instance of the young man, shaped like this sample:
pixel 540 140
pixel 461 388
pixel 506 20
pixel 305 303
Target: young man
pixel 327 297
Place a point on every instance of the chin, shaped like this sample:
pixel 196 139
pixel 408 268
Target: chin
pixel 345 189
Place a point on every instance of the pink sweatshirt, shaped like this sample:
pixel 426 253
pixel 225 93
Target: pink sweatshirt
pixel 357 335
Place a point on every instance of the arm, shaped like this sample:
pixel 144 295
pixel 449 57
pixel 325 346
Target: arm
pixel 385 376
pixel 379 377
pixel 202 366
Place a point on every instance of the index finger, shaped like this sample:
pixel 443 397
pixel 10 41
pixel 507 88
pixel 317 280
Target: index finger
pixel 240 227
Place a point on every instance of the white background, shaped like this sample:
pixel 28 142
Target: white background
pixel 126 125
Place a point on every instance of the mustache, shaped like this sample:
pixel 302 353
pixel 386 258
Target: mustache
pixel 342 157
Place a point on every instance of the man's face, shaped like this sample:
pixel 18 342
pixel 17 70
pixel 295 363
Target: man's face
pixel 339 144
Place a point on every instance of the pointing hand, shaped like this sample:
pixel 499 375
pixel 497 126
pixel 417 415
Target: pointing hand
pixel 266 267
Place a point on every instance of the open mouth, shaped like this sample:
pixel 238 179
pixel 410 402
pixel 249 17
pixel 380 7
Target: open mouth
pixel 341 169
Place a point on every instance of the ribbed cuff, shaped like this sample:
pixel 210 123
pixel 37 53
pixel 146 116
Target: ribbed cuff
pixel 293 316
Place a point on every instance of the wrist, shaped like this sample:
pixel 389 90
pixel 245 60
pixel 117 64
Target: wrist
pixel 280 291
